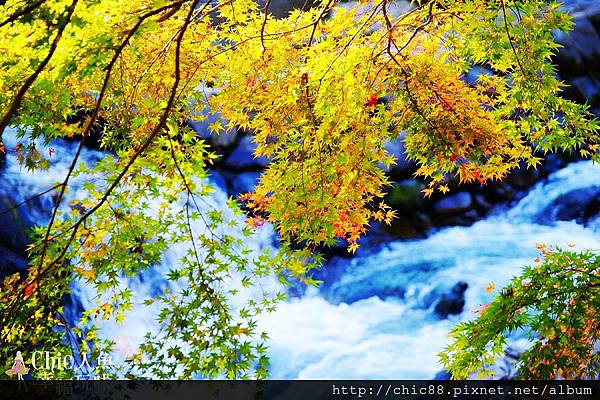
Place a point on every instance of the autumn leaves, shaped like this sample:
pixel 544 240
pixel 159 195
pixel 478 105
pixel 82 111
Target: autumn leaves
pixel 324 97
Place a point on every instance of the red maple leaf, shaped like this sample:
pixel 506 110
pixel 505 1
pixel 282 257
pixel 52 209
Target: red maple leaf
pixel 372 100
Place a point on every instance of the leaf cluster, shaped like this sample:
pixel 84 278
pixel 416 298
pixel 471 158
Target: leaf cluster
pixel 557 302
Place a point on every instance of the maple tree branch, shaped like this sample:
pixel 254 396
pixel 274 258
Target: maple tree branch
pixel 24 11
pixel 510 39
pixel 109 68
pixel 347 45
pixel 116 182
pixel 418 29
pixel 189 191
pixel 18 99
pixel 421 113
pixel 159 126
pixel 264 24
pixel 316 22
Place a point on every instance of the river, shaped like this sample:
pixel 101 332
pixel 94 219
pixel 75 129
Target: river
pixel 374 318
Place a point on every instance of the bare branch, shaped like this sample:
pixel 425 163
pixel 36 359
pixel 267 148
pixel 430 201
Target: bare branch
pixel 27 200
pixel 510 39
pixel 262 28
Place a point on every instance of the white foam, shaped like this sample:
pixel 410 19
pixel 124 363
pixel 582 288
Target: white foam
pixel 395 339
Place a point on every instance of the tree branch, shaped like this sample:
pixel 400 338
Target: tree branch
pixel 21 93
pixel 24 11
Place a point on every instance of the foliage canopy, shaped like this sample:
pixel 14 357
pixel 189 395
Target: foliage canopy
pixel 322 90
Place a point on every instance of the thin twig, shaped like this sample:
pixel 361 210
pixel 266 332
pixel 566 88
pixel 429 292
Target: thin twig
pixel 27 200
pixel 510 39
pixel 264 24
pixel 11 313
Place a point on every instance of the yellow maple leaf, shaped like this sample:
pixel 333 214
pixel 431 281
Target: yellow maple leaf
pixel 86 273
pixel 353 247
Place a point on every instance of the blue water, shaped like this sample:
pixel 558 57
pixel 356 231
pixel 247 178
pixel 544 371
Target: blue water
pixel 348 329
pixel 394 338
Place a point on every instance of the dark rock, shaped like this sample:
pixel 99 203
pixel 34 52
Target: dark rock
pixel 11 262
pixel 406 195
pixel 587 87
pixel 453 204
pixel 523 178
pixel 402 228
pixel 281 8
pixel 594 18
pixel 552 163
pixel 482 202
pixel 579 205
pixel 94 138
pixel 581 52
pixel 242 157
pixel 466 218
pixel 422 221
pixel 243 183
pixel 394 8
pixel 504 192
pixel 453 302
pixel 14 224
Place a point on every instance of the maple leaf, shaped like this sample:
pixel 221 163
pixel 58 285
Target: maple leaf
pixel 372 100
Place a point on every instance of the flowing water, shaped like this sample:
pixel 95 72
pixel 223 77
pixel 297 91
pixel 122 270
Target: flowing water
pixel 375 319
pixel 386 337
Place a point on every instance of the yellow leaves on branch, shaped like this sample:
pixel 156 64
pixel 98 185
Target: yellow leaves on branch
pixel 321 90
pixel 322 96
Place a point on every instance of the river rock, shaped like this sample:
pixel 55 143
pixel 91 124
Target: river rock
pixel 586 86
pixel 452 302
pixel 523 178
pixel 281 8
pixel 242 183
pixel 580 54
pixel 553 162
pixel 406 195
pixel 11 262
pixel 454 204
pixel 580 205
pixel 403 228
pixel 394 8
pixel 242 157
